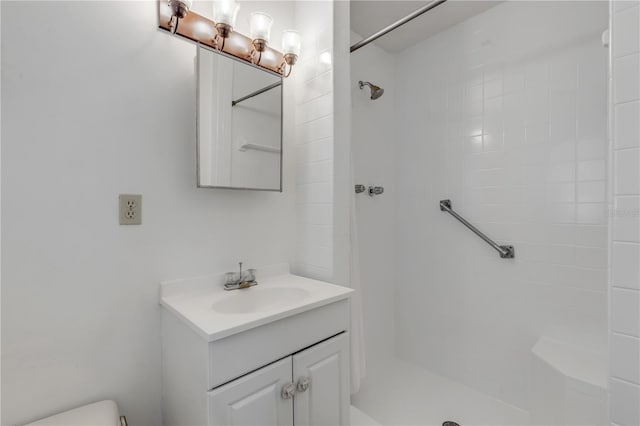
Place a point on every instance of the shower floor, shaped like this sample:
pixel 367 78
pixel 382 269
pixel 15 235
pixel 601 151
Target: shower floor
pixel 401 393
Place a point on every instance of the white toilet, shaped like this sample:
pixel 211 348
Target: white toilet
pixel 103 413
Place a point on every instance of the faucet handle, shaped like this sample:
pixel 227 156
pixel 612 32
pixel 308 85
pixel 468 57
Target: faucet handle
pixel 252 274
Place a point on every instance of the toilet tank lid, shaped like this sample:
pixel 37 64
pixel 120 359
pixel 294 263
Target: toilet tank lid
pixel 103 413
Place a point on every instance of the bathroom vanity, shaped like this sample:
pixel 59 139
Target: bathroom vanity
pixel 272 354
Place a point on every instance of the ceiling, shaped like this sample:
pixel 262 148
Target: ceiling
pixel 370 16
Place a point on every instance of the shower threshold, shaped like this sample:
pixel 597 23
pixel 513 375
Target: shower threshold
pixel 399 393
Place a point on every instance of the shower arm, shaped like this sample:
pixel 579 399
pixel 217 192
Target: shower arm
pixel 506 252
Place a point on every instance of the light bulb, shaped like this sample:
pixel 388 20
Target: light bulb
pixel 291 42
pixel 260 24
pixel 225 12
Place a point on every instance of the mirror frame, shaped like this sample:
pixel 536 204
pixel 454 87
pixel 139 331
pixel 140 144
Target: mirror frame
pixel 275 74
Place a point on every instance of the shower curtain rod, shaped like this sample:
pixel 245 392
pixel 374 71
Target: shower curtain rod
pixel 397 24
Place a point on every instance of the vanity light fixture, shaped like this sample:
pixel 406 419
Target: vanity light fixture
pixel 291 49
pixel 224 16
pixel 218 33
pixel 179 9
pixel 260 28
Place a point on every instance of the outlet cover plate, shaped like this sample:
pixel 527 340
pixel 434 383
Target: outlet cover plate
pixel 130 209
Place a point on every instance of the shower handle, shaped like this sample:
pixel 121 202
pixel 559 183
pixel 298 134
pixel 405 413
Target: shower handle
pixel 375 190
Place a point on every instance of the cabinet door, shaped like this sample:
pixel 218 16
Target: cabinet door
pixel 325 366
pixel 255 399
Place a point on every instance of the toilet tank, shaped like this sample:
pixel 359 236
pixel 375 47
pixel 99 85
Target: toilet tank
pixel 103 413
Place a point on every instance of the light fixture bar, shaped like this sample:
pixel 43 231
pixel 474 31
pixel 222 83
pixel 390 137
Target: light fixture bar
pixel 399 23
pixel 202 30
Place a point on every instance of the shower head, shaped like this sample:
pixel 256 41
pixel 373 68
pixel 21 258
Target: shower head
pixel 376 91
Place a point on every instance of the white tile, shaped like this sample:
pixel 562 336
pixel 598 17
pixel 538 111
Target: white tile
pixel 563 152
pixel 626 265
pixel 625 311
pixel 564 73
pixel 561 213
pixel 537 75
pixel 314 214
pixel 513 80
pixel 537 106
pixel 591 257
pixel 627 172
pixel 493 88
pixel 319 257
pixel 588 279
pixel 475 93
pixel 537 133
pixel 592 149
pixel 626 81
pixel 314 109
pixel 625 410
pixel 591 192
pixel 562 129
pixel 315 193
pixel 591 170
pixel 619 5
pixel 562 105
pixel 563 172
pixel 626 38
pixel 563 255
pixel 316 87
pixel 591 213
pixel 625 357
pixel 317 129
pixel 626 219
pixel 314 151
pixel 321 171
pixel 561 192
pixel 587 236
pixel 627 125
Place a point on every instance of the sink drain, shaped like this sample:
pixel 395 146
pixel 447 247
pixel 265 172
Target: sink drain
pixel 450 423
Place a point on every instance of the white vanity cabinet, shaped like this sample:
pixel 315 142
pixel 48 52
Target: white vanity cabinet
pixel 280 366
pixel 308 388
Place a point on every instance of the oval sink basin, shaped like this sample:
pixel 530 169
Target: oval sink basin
pixel 258 299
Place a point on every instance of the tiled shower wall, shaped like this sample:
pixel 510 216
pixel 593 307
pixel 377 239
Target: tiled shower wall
pixel 504 114
pixel 313 79
pixel 625 216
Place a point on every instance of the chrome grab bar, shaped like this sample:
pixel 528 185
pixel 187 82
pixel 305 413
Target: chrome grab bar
pixel 506 252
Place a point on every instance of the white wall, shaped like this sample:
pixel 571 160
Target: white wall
pixel 624 288
pixel 314 135
pixel 504 114
pixel 98 102
pixel 0 223
pixel 374 152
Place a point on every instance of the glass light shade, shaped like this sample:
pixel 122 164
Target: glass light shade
pixel 291 42
pixel 260 26
pixel 187 3
pixel 225 12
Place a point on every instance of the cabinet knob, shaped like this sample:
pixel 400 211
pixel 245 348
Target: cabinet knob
pixel 303 384
pixel 288 391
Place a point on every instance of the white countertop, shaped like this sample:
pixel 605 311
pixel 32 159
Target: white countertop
pixel 193 300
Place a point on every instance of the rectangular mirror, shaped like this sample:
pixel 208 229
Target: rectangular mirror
pixel 239 124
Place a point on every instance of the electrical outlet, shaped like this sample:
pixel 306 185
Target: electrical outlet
pixel 130 209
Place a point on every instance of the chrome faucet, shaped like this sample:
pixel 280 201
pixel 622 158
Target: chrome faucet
pixel 239 280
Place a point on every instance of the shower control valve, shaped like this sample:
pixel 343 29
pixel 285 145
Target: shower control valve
pixel 375 190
